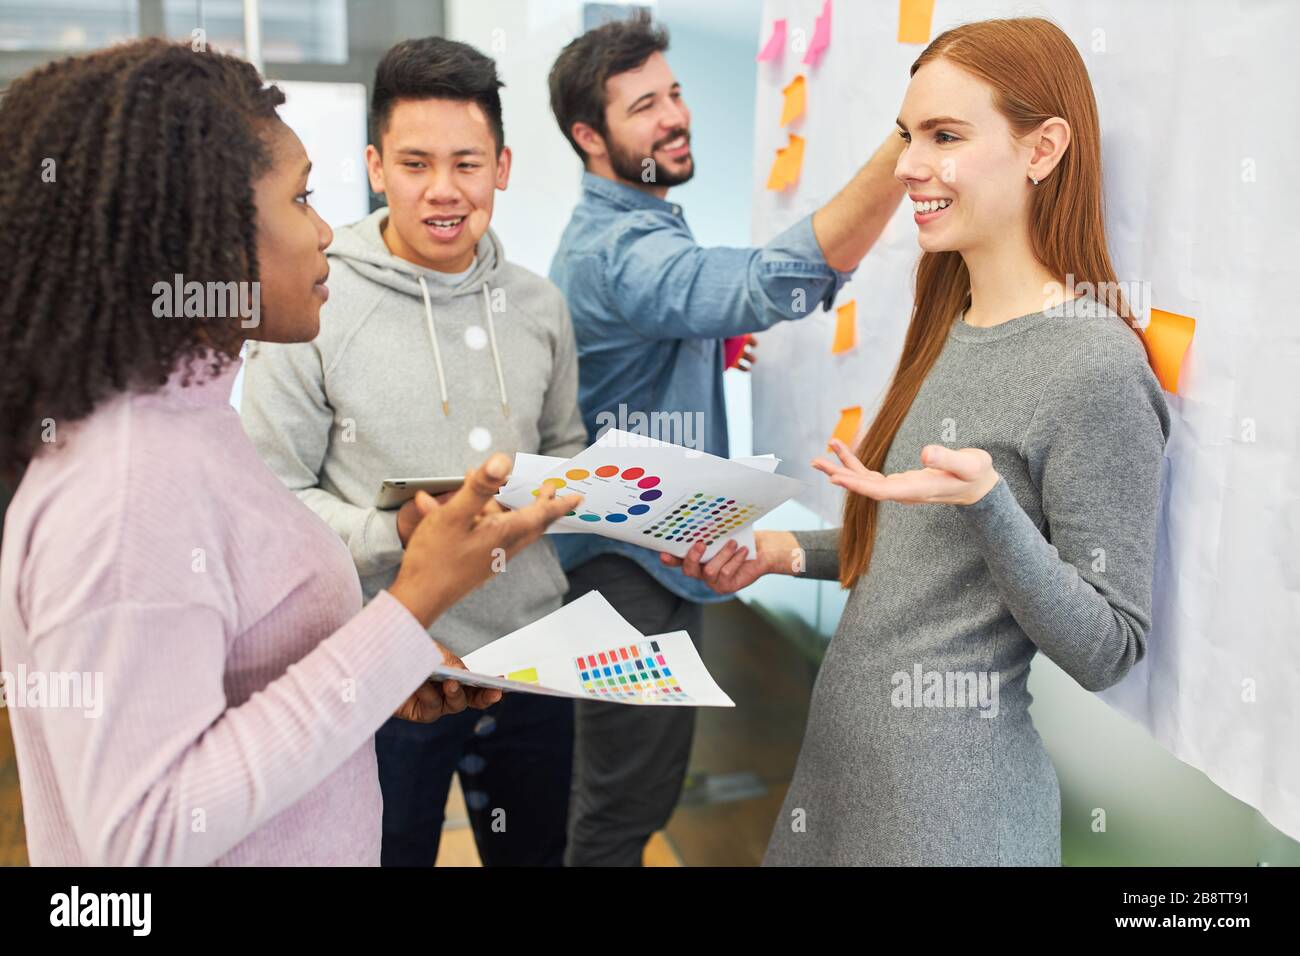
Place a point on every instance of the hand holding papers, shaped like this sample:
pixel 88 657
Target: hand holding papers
pixel 655 494
pixel 586 650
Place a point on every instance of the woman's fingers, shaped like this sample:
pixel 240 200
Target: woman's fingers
pixel 453 697
pixel 481 698
pixel 480 486
pixel 847 458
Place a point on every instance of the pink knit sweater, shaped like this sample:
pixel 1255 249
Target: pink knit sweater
pixel 242 682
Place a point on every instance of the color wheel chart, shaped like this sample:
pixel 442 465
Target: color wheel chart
pixel 610 494
pixel 637 671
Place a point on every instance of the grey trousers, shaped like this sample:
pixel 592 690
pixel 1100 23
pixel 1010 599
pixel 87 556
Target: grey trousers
pixel 629 761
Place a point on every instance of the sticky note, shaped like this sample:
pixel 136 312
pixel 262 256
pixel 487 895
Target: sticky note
pixel 1168 336
pixel 775 45
pixel 795 100
pixel 821 37
pixel 850 419
pixel 786 166
pixel 733 349
pixel 846 327
pixel 914 20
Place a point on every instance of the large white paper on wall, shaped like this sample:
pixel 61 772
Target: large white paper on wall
pixel 1198 105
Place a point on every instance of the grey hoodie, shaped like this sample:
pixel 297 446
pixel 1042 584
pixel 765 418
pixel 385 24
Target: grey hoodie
pixel 410 377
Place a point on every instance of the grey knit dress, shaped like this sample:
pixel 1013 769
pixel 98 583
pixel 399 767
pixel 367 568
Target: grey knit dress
pixel 919 748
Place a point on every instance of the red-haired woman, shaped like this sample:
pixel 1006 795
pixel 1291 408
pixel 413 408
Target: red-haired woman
pixel 1031 523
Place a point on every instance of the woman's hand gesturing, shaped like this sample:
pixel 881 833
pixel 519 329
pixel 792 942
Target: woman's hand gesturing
pixel 950 476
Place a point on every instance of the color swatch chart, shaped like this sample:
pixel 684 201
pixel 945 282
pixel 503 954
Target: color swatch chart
pixel 652 494
pixel 616 494
pixel 557 655
pixel 702 517
pixel 637 671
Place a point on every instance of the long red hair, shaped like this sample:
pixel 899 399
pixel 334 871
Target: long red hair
pixel 1036 73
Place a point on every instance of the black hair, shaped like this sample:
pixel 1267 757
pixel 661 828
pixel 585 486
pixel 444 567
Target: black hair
pixel 436 68
pixel 583 67
pixel 121 168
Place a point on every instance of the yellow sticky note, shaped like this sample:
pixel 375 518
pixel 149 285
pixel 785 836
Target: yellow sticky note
pixel 850 419
pixel 786 166
pixel 796 98
pixel 528 675
pixel 846 327
pixel 1168 336
pixel 914 20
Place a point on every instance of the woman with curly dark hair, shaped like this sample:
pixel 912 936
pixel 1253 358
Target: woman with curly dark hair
pixel 209 684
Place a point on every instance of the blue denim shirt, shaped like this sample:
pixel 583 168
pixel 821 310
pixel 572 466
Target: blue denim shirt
pixel 650 309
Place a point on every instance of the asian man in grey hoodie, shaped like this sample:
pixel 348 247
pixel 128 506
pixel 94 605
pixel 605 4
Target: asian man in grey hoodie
pixel 434 350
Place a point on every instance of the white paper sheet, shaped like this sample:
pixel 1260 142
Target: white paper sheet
pixel 588 651
pixel 657 495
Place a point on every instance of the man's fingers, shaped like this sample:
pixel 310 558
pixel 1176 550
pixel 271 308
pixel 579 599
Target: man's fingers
pixel 424 503
pixel 691 563
pixel 733 566
pixel 719 561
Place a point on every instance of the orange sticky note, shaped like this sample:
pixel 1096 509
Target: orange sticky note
pixel 786 166
pixel 796 98
pixel 850 419
pixel 846 327
pixel 914 20
pixel 1168 336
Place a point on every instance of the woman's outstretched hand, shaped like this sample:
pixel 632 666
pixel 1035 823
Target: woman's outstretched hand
pixel 950 476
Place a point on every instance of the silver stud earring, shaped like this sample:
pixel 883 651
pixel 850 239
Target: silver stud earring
pixel 1033 180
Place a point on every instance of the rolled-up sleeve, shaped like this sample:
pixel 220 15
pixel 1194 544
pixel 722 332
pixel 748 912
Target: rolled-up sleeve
pixel 669 287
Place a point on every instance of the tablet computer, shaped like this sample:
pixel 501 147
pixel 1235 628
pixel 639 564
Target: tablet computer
pixel 395 492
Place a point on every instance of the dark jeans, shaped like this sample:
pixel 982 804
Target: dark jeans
pixel 629 761
pixel 515 762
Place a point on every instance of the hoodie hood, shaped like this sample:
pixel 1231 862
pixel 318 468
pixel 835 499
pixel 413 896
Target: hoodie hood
pixel 361 245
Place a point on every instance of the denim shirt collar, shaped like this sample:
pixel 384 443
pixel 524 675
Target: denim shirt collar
pixel 625 197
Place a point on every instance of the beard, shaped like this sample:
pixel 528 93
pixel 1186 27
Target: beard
pixel 629 166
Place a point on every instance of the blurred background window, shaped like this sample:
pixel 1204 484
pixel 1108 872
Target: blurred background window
pixel 67 25
pixel 293 31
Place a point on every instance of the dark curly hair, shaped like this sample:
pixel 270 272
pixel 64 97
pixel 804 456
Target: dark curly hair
pixel 120 169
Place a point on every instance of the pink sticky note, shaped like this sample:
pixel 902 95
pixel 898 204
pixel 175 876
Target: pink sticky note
pixel 821 37
pixel 775 44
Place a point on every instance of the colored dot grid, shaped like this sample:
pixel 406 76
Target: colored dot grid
pixel 635 672
pixel 702 517
pixel 643 486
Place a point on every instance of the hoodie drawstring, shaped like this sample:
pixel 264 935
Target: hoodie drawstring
pixel 496 356
pixel 433 338
pixel 437 354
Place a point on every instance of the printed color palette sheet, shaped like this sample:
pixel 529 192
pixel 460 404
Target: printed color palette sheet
pixel 587 650
pixel 661 496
